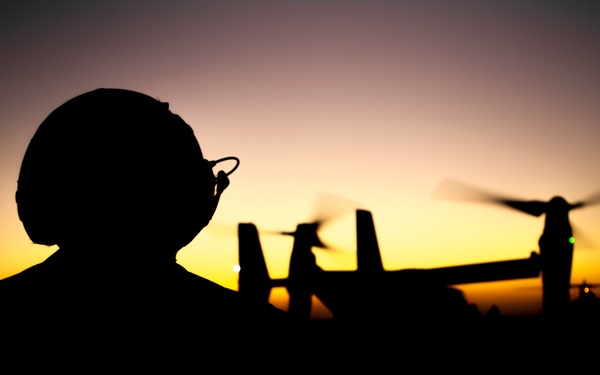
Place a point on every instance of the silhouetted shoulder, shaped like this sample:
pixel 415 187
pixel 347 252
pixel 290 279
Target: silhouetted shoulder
pixel 151 291
pixel 204 294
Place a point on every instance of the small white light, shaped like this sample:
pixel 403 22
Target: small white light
pixel 236 268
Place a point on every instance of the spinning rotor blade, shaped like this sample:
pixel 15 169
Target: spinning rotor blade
pixel 310 234
pixel 451 189
pixel 582 241
pixel 534 208
pixel 591 200
pixel 329 207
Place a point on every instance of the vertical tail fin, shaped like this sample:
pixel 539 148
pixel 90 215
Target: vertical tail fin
pixel 254 281
pixel 368 257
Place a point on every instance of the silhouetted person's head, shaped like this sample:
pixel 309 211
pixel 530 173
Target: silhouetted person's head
pixel 117 168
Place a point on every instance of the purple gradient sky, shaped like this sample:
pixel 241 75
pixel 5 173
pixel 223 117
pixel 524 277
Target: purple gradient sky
pixel 374 101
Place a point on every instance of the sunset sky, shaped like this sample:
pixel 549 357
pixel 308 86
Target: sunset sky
pixel 373 102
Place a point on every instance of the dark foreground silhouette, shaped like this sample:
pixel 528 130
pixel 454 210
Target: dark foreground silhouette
pixel 120 184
